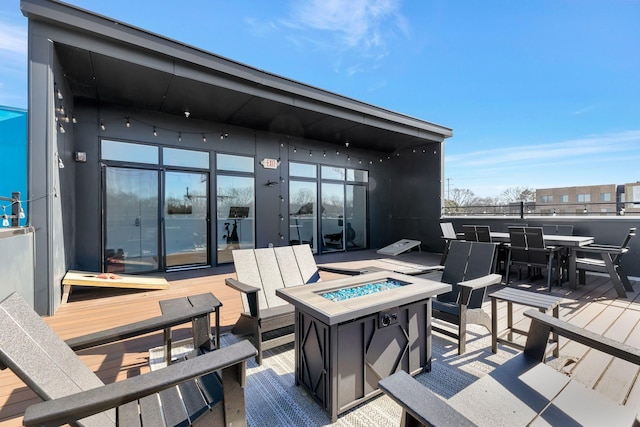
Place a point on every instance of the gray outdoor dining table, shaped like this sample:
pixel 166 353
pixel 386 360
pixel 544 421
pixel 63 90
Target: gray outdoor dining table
pixel 569 242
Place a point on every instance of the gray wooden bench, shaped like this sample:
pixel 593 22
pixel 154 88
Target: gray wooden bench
pixel 522 391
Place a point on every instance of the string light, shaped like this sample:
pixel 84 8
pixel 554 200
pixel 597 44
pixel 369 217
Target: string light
pixel 60 128
pixel 223 135
pixel 60 162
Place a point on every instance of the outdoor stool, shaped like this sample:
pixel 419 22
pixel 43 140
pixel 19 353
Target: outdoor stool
pixel 201 325
pixel 512 296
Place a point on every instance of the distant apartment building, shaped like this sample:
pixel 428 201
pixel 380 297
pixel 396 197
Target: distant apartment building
pixel 609 199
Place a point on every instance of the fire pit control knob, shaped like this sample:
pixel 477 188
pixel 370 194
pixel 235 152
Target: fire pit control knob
pixel 387 318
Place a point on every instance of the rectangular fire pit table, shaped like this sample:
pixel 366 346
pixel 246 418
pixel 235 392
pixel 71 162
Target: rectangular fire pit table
pixel 362 330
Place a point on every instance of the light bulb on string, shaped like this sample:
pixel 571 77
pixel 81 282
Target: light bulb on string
pixel 179 136
pixel 155 133
pixel 128 123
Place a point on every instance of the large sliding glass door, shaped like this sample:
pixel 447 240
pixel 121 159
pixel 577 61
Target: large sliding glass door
pixel 131 239
pixel 156 207
pixel 186 218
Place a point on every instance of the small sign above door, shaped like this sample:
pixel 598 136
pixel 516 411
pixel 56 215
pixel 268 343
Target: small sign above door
pixel 270 163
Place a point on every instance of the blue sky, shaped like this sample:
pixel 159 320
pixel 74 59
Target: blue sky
pixel 539 93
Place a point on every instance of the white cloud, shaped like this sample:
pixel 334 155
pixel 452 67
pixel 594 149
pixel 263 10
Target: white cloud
pixel 13 39
pixel 360 30
pixel 559 151
pixel 584 110
pixel 359 23
pixel 592 160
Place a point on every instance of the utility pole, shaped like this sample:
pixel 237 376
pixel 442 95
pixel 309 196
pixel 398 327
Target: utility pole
pixel 448 187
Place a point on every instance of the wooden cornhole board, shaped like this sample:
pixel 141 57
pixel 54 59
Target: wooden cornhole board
pixel 85 278
pixel 399 247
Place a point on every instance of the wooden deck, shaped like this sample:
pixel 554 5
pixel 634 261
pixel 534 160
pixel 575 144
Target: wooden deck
pixel 593 306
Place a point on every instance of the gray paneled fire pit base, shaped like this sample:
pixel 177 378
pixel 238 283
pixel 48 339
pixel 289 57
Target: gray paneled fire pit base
pixel 345 346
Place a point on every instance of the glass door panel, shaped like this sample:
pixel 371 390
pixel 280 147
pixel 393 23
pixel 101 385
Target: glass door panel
pixel 356 214
pixel 235 215
pixel 185 219
pixel 131 220
pixel 332 210
pixel 303 214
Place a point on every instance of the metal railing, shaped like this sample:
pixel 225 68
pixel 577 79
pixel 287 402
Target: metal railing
pixel 524 209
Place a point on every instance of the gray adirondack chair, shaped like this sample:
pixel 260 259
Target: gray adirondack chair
pixel 522 391
pixel 73 394
pixel 468 270
pixel 606 259
pixel 267 319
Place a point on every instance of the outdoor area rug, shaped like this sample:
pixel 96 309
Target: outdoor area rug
pixel 273 399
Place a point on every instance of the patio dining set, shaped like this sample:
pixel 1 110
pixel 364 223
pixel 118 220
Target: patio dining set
pixel 386 314
pixel 553 247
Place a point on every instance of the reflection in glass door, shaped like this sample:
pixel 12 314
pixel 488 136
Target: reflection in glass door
pixel 235 215
pixel 332 209
pixel 186 219
pixel 356 214
pixel 131 220
pixel 303 216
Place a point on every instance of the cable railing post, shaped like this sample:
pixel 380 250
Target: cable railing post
pixel 15 209
pixel 521 209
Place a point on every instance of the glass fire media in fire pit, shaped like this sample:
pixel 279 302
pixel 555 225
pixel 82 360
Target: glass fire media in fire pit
pixel 360 290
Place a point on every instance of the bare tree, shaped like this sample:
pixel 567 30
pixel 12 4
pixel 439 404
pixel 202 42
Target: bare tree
pixel 518 194
pixel 458 199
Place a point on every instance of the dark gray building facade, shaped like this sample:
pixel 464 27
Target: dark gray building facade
pixel 146 154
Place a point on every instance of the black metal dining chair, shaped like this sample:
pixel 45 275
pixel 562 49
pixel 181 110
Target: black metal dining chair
pixel 527 248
